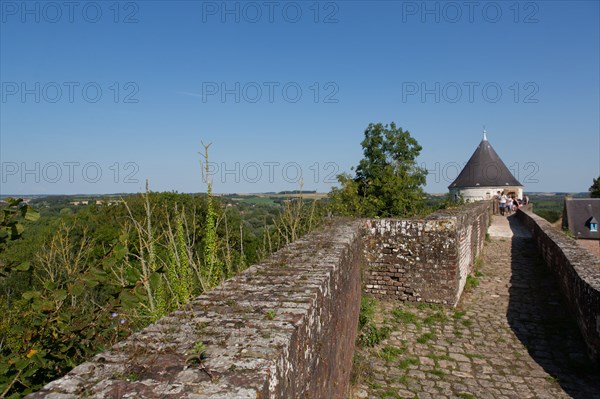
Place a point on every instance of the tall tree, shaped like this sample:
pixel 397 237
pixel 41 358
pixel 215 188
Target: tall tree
pixel 595 188
pixel 388 181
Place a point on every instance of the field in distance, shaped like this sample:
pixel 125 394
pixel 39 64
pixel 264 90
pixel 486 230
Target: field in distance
pixel 273 198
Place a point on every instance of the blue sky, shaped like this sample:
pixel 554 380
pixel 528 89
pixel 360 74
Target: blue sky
pixel 98 96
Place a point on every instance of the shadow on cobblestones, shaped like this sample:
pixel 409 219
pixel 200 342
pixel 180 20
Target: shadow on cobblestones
pixel 540 319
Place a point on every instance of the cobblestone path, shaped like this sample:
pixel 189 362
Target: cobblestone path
pixel 511 336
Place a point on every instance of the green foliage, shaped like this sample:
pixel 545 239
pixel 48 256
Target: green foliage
pixel 54 327
pixel 549 215
pixel 424 338
pixel 197 354
pixel 438 372
pixel 11 220
pixel 179 275
pixel 472 282
pixel 407 362
pixel 346 200
pixel 404 316
pixel 214 271
pixel 548 207
pixel 390 353
pixel 369 334
pixel 297 218
pixel 270 314
pixel 473 278
pixel 390 394
pixel 367 311
pixel 437 317
pixel 595 188
pixel 451 202
pixel 458 314
pixel 388 181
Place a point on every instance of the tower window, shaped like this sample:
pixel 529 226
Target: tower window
pixel 594 227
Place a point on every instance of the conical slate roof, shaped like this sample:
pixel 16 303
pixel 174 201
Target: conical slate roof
pixel 485 169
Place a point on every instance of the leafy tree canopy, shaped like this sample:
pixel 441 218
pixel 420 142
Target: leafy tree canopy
pixel 388 181
pixel 595 188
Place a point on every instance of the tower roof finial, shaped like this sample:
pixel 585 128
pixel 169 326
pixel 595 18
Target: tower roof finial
pixel 484 133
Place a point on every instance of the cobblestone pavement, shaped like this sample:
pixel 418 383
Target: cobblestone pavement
pixel 511 337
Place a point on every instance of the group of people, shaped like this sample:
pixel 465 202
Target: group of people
pixel 509 203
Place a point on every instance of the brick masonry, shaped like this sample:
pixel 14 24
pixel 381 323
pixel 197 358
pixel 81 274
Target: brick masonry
pixel 578 273
pixel 284 328
pixel 425 259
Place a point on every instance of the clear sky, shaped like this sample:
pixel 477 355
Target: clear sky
pixel 98 96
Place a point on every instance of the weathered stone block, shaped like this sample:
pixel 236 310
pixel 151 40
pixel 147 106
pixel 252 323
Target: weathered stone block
pixel 270 332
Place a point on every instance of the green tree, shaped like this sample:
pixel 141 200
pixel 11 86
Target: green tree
pixel 595 188
pixel 388 181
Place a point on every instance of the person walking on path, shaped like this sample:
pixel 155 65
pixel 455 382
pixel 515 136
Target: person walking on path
pixel 502 204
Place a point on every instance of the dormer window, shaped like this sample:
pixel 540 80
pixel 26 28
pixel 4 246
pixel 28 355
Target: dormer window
pixel 593 225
